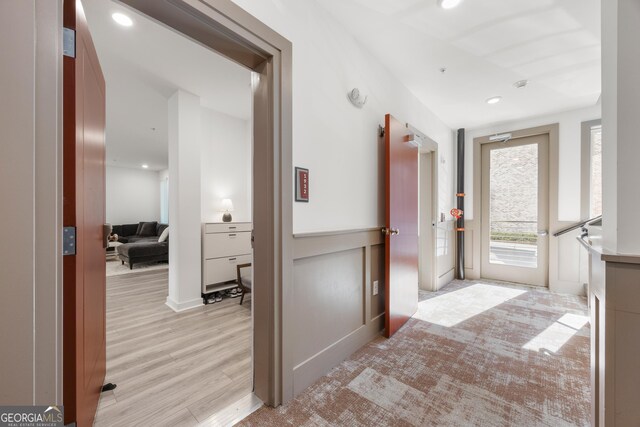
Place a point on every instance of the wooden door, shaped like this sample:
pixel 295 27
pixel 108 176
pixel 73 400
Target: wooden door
pixel 84 295
pixel 401 231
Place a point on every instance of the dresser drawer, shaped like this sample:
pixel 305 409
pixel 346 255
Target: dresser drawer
pixel 219 245
pixel 222 269
pixel 227 227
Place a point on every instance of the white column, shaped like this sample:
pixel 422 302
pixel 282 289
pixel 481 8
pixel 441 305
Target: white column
pixel 184 202
pixel 621 125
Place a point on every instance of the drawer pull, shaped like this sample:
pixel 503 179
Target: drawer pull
pixel 232 228
pixel 232 259
pixel 232 235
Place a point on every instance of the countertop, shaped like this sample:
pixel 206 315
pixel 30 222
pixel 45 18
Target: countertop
pixel 594 244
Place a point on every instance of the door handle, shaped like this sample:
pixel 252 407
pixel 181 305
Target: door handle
pixel 390 231
pixel 542 233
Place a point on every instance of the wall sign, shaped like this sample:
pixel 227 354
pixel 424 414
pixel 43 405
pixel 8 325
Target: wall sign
pixel 302 185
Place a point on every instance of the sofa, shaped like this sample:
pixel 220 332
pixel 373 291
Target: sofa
pixel 140 243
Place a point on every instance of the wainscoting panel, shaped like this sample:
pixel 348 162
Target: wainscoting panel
pixel 329 300
pixel 377 273
pixel 469 235
pixel 568 264
pixel 569 253
pixel 445 251
pixel 335 312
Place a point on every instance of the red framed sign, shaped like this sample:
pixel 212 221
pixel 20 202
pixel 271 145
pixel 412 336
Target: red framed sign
pixel 302 185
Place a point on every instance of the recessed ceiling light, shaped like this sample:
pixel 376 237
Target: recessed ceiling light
pixel 521 84
pixel 448 4
pixel 122 19
pixel 145 166
pixel 494 100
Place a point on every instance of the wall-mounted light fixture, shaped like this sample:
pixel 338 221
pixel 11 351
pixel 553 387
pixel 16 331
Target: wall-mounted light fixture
pixel 356 98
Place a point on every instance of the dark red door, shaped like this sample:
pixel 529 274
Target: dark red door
pixel 401 231
pixel 84 295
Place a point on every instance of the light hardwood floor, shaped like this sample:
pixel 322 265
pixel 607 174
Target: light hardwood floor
pixel 173 369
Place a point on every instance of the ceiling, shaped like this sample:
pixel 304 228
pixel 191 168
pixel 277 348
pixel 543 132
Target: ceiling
pixel 485 46
pixel 143 66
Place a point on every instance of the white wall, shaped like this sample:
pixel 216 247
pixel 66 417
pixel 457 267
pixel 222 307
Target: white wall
pixel 133 195
pixel 225 165
pixel 185 263
pixel 569 161
pixel 336 141
pixel 620 125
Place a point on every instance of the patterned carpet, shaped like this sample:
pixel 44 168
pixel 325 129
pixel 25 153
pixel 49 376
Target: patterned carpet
pixel 477 353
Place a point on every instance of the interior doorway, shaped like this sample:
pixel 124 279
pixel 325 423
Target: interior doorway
pixel 428 188
pixel 515 210
pixel 226 29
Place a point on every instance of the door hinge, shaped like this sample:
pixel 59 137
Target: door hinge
pixel 69 241
pixel 68 42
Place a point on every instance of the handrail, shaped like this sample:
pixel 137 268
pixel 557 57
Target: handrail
pixel 574 226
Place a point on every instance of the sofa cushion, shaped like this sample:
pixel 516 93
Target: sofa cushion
pixel 143 249
pixel 160 228
pixel 140 239
pixel 125 230
pixel 146 229
pixel 164 236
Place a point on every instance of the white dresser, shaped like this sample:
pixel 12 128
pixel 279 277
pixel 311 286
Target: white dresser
pixel 224 246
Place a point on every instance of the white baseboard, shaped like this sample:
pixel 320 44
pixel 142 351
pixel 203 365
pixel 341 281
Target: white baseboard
pixel 182 306
pixel 446 278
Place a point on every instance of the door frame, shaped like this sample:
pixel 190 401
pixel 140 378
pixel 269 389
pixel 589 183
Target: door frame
pixel 473 228
pixel 429 148
pixel 541 272
pixel 228 30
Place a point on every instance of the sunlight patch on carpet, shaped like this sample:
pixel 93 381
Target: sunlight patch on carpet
pixel 403 401
pixel 557 335
pixel 454 307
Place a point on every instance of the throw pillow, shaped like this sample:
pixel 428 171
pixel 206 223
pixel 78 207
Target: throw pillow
pixel 147 229
pixel 164 236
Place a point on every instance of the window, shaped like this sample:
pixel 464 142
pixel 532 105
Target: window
pixel 591 169
pixel 595 184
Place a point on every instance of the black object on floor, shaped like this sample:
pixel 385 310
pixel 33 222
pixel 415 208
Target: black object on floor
pixel 108 387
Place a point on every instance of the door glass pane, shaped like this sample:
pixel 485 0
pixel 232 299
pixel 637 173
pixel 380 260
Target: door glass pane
pixel 513 206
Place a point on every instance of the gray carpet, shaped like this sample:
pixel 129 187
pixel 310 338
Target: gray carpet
pixel 476 353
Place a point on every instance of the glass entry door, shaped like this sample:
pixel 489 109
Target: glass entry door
pixel 515 210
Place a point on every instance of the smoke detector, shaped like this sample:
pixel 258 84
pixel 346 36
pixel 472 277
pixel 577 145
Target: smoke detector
pixel 356 98
pixel 520 84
